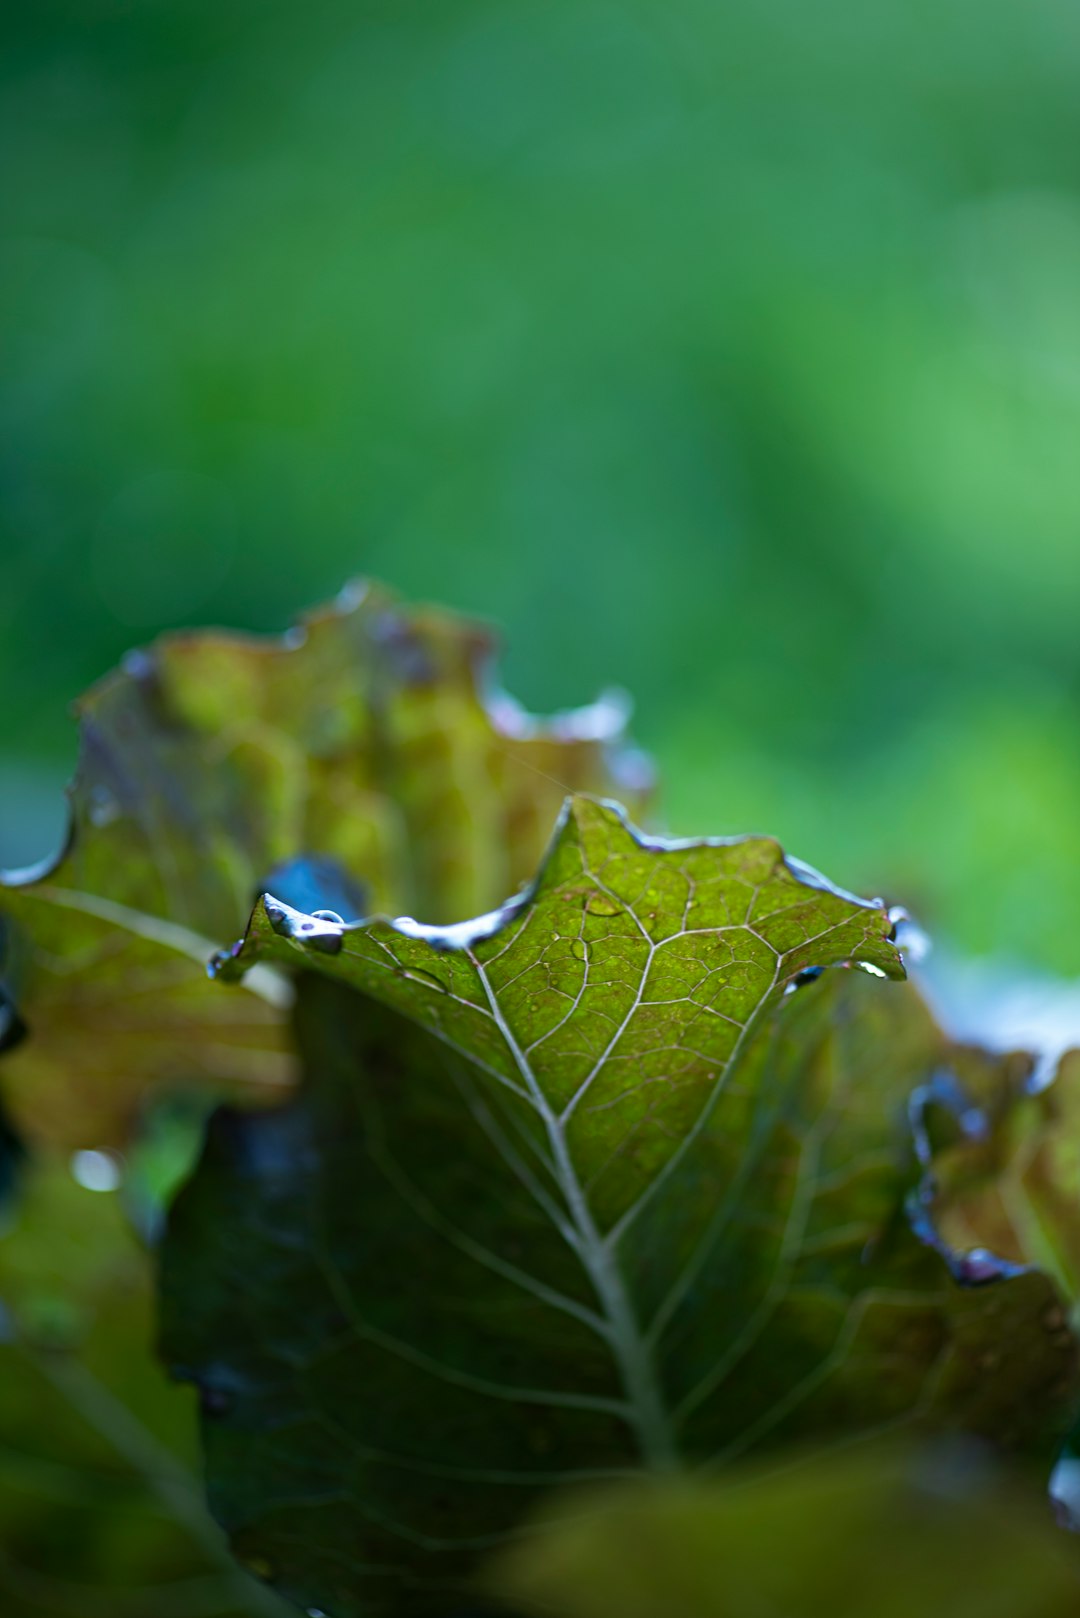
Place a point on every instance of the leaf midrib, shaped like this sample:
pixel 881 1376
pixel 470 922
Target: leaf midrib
pixel 647 1410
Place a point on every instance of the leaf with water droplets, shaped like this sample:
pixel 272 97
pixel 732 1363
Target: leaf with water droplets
pixel 357 763
pixel 606 1196
pixel 1002 1183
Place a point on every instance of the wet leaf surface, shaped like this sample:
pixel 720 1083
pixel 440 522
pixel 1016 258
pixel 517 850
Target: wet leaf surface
pixel 588 1186
pixel 1003 1165
pixel 358 761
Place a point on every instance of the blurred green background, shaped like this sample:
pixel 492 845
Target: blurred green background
pixel 727 352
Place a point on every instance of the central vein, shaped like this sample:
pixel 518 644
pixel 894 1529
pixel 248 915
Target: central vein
pixel 630 1350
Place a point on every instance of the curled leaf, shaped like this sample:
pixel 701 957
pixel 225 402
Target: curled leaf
pixel 1002 1183
pixel 588 1186
pixel 357 762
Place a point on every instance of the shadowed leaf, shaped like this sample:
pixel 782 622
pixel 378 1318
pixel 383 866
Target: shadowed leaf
pixel 877 1531
pixel 583 1187
pixel 99 1491
pixel 356 763
pixel 1003 1167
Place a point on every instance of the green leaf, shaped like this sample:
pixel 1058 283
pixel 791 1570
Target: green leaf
pixel 579 1188
pixel 874 1531
pixel 99 1489
pixel 1003 1167
pixel 358 759
pixel 606 1002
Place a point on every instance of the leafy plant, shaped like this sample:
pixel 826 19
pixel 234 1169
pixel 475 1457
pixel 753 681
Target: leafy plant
pixel 616 1177
pixel 360 760
pixel 365 758
pixel 882 1530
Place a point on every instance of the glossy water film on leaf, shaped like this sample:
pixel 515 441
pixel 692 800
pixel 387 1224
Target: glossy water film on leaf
pixel 1011 1186
pixel 355 764
pixel 543 1213
pixel 1004 1198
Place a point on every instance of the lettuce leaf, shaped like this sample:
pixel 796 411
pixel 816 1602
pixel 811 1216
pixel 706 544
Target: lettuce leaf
pixel 611 1179
pixel 360 761
pixel 878 1529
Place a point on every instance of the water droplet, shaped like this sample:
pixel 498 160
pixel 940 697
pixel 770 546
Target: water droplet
pixel 277 915
pixel 600 904
pixel 96 1171
pixel 222 959
pixel 351 595
pixel 809 974
pixel 869 967
pixel 580 949
pixel 980 1267
pixel 103 807
pixel 314 931
pixel 418 974
pixel 312 883
pixel 329 915
pixel 1064 1490
pixel 138 663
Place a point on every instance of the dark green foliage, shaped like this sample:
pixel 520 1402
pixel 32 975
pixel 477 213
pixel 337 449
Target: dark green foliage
pixel 880 1529
pixel 616 1178
pixel 578 1191
pixel 360 754
pixel 362 758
